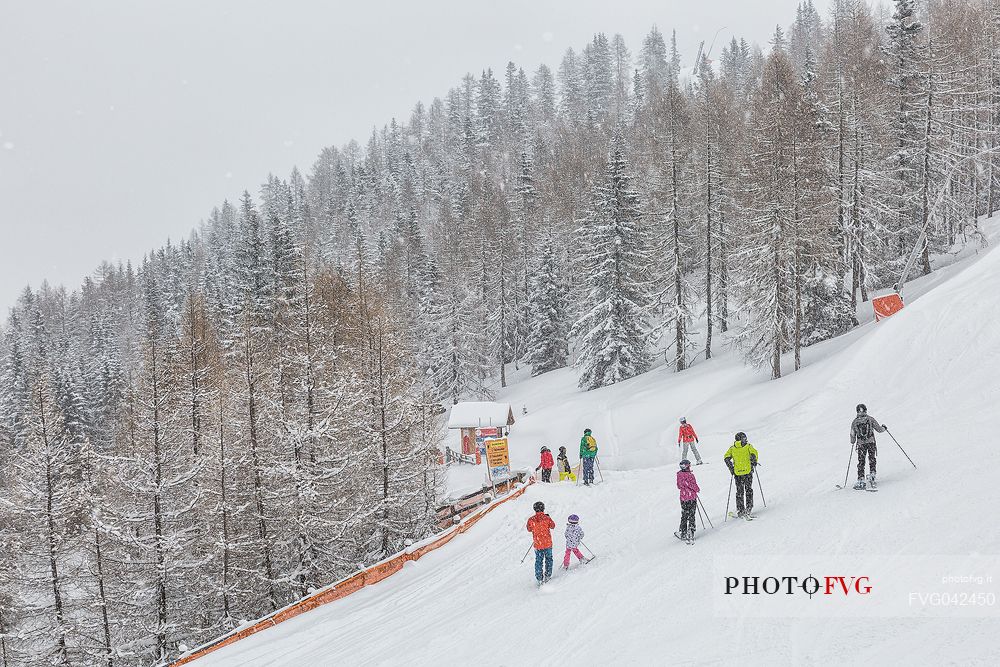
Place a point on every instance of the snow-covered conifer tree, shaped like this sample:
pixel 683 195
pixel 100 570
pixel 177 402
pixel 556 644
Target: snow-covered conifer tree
pixel 615 263
pixel 548 336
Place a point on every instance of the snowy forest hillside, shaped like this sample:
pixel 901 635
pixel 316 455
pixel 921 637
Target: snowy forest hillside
pixel 255 411
pixel 928 373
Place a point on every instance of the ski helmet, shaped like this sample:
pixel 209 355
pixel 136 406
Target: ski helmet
pixel 539 506
pixel 685 464
pixel 586 431
pixel 562 449
pixel 573 518
pixel 683 420
pixel 862 408
pixel 544 449
pixel 741 437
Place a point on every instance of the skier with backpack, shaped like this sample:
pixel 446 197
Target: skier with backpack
pixel 741 459
pixel 688 486
pixel 540 526
pixel 687 435
pixel 565 470
pixel 546 464
pixel 588 452
pixel 863 430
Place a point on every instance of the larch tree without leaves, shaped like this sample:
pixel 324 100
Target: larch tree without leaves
pixel 768 259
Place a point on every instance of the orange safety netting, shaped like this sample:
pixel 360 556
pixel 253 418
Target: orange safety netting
pixel 352 584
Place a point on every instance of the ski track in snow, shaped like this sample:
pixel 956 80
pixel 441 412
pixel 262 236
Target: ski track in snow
pixel 930 372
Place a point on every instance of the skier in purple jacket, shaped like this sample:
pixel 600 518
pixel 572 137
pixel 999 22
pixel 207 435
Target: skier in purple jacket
pixel 688 486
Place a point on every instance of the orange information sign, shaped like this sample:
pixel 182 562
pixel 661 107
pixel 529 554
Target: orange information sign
pixel 498 458
pixel 887 305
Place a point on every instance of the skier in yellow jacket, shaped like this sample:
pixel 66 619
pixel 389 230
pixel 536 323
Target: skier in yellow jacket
pixel 742 459
pixel 565 470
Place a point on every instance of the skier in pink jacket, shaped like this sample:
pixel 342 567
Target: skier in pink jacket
pixel 688 486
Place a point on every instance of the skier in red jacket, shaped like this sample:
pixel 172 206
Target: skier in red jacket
pixel 541 526
pixel 546 464
pixel 687 435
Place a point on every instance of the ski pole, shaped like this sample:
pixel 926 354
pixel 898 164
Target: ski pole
pixel 901 448
pixel 759 486
pixel 702 506
pixel 728 496
pixel 588 549
pixel 701 516
pixel 526 553
pixel 597 462
pixel 849 459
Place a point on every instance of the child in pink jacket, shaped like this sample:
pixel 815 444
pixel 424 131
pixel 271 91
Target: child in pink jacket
pixel 688 486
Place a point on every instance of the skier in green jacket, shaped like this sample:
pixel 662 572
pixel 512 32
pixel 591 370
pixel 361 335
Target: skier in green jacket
pixel 588 452
pixel 742 459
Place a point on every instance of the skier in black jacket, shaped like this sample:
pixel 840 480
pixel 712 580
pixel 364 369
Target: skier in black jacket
pixel 863 430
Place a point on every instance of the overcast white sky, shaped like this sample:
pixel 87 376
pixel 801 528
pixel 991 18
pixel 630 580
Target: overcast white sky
pixel 122 122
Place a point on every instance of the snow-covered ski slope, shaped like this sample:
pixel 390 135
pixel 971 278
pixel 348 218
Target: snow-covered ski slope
pixel 932 373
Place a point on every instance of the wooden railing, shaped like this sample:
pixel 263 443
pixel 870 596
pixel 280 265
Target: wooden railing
pixel 460 508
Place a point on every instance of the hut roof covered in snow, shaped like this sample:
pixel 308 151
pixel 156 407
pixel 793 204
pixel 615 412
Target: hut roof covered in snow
pixel 479 414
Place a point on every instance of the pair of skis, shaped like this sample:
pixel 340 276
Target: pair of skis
pixel 860 488
pixel 687 540
pixel 698 463
pixel 580 563
pixel 748 517
pixel 540 584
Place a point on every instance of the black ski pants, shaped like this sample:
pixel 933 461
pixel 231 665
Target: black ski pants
pixel 744 488
pixel 688 508
pixel 862 449
pixel 546 474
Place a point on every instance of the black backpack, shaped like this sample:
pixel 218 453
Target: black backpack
pixel 865 429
